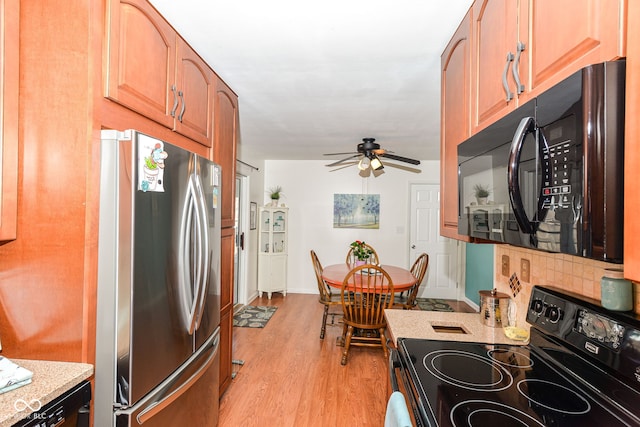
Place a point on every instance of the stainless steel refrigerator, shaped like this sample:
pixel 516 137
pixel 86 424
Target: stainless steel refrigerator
pixel 158 302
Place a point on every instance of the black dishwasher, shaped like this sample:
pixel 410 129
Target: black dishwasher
pixel 70 409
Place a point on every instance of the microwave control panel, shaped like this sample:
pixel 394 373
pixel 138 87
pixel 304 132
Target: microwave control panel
pixel 560 169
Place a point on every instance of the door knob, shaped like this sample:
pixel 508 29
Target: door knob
pixel 413 246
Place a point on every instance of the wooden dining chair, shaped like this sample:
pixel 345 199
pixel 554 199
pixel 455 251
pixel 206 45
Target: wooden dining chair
pixel 373 258
pixel 418 269
pixel 367 291
pixel 327 298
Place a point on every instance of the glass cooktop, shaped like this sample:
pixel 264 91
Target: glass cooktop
pixel 473 384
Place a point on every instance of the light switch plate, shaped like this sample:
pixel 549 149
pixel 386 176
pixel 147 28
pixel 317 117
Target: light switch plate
pixel 505 265
pixel 525 269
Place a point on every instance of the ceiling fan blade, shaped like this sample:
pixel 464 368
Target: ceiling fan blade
pixel 343 160
pixel 340 154
pixel 403 167
pixel 400 158
pixel 344 166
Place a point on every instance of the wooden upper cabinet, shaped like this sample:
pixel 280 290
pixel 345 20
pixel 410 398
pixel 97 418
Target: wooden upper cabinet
pixel 141 49
pixel 565 38
pixel 495 34
pixel 455 122
pixel 632 150
pixel 152 71
pixel 225 138
pixel 9 83
pixel 195 83
pixel 523 48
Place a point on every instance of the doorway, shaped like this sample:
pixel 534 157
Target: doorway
pixel 240 250
pixel 441 279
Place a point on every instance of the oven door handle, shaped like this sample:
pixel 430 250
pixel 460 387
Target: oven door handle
pixel 394 362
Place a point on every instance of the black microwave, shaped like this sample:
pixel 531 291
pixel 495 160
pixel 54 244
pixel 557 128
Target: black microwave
pixel 553 170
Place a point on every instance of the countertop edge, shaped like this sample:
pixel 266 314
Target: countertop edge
pixel 50 380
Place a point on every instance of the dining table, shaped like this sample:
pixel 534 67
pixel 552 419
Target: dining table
pixel 335 274
pixel 402 278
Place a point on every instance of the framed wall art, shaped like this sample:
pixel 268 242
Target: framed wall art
pixel 356 211
pixel 253 214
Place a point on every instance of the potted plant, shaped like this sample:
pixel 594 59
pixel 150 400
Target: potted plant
pixel 481 192
pixel 361 251
pixel 275 193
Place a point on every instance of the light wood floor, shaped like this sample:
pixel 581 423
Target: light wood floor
pixel 291 377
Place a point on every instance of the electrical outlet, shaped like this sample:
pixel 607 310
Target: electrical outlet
pixel 525 269
pixel 505 265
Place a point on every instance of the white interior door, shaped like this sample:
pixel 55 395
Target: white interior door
pixel 441 277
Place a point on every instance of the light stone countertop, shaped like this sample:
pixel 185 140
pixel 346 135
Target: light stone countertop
pixel 420 324
pixel 50 380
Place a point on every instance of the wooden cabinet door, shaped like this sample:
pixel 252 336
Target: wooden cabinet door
pixel 632 152
pixel 455 123
pixel 141 60
pixel 226 348
pixel 9 83
pixel 195 85
pixel 227 250
pixel 495 35
pixel 225 137
pixel 565 38
pixel 227 247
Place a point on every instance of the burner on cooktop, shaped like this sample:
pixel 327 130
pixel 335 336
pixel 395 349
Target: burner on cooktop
pixel 467 370
pixel 478 412
pixel 511 358
pixel 553 396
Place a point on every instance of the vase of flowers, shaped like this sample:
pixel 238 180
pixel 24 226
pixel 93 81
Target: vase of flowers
pixel 361 252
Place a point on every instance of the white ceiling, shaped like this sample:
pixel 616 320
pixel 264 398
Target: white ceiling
pixel 316 78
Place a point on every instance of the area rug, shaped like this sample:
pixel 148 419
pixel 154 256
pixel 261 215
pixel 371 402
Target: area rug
pixel 253 316
pixel 433 304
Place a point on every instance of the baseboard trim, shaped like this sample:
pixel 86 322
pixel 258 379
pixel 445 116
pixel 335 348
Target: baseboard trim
pixel 471 304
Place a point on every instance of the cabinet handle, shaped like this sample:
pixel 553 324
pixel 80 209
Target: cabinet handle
pixel 181 95
pixel 175 101
pixel 515 68
pixel 505 83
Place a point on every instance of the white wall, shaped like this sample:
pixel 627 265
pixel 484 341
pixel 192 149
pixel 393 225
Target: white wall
pixel 308 189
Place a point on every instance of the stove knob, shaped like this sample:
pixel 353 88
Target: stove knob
pixel 537 306
pixel 554 314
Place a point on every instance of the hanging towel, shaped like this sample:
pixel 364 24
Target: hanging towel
pixel 397 413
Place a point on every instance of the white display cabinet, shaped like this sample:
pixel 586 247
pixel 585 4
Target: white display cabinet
pixel 272 250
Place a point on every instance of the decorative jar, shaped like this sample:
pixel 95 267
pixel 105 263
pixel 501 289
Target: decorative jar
pixel 616 292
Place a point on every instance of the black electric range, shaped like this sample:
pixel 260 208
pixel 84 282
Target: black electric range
pixel 580 368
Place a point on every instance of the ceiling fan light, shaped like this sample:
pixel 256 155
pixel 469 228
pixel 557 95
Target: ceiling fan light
pixel 376 164
pixel 364 163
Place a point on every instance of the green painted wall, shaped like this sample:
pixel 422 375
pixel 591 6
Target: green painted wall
pixel 479 270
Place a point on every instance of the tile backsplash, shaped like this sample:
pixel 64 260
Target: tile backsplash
pixel 574 274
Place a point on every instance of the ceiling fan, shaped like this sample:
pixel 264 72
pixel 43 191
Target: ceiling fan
pixel 368 156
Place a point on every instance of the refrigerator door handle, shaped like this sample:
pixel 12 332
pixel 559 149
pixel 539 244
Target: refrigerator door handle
pixel 187 288
pixel 173 387
pixel 205 263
